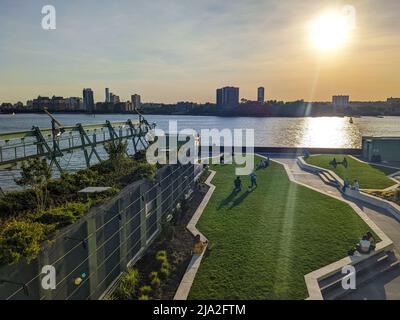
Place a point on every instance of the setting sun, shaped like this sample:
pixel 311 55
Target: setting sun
pixel 330 31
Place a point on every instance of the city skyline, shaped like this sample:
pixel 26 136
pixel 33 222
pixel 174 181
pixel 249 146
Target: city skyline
pixel 193 48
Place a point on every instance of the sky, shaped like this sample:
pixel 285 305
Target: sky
pixel 182 50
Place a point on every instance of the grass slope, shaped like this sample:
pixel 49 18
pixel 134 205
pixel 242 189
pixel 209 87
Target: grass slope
pixel 369 177
pixel 263 243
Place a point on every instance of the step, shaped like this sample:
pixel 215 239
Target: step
pixel 365 274
pixel 326 282
pixel 327 179
pixel 364 277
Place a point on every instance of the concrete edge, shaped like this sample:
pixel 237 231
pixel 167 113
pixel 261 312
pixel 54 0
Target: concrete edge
pixel 188 278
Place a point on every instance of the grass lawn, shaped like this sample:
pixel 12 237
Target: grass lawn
pixel 264 242
pixel 369 177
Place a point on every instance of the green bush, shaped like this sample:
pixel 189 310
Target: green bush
pixel 161 256
pixel 64 215
pixel 139 172
pixel 21 239
pixel 127 286
pixel 153 275
pixel 17 202
pixel 144 298
pixel 145 291
pixel 165 270
pixel 156 283
pixel 116 149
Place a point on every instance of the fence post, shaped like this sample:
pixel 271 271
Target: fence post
pixel 92 254
pixel 123 235
pixel 143 218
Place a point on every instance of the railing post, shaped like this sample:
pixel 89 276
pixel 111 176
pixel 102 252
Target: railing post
pixel 123 236
pixel 92 254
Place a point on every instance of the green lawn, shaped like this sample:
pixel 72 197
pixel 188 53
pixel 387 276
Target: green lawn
pixel 369 177
pixel 263 243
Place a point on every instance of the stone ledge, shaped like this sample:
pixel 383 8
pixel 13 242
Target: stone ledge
pixel 187 281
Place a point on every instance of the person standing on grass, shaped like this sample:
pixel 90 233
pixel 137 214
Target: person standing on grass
pixel 253 179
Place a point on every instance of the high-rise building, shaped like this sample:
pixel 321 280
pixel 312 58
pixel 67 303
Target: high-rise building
pixel 88 100
pixel 340 101
pixel 220 97
pixel 228 97
pixel 136 101
pixel 107 95
pixel 261 95
pixel 114 98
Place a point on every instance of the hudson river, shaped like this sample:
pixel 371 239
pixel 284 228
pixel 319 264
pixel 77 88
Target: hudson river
pixel 333 132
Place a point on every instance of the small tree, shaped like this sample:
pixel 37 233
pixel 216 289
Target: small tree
pixel 36 173
pixel 116 150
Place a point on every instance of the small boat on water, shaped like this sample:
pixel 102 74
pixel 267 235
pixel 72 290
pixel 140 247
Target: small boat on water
pixel 13 113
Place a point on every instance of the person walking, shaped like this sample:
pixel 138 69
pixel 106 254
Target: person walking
pixel 253 179
pixel 238 184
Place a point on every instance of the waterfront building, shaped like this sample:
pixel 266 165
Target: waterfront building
pixel 393 101
pixel 136 101
pixel 74 104
pixel 88 100
pixel 228 97
pixel 340 101
pixel 107 95
pixel 261 95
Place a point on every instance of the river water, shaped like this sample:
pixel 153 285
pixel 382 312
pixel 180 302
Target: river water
pixel 323 132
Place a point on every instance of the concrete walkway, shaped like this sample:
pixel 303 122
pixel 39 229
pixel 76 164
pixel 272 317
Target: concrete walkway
pixel 387 285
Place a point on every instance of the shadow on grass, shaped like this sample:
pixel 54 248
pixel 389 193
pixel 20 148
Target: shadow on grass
pixel 239 200
pixel 228 200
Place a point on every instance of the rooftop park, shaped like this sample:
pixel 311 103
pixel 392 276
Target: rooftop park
pixel 368 176
pixel 44 205
pixel 263 242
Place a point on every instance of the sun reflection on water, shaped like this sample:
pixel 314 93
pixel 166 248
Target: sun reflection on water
pixel 332 132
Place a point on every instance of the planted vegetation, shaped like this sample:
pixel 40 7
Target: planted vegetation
pixel 33 215
pixel 160 271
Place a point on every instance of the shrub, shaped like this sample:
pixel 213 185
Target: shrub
pixel 138 172
pixel 126 288
pixel 156 282
pixel 144 297
pixel 145 291
pixel 21 239
pixel 161 256
pixel 64 215
pixel 35 173
pixel 165 270
pixel 116 149
pixel 153 275
pixel 140 156
pixel 17 202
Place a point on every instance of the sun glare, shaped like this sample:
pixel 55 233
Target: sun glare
pixel 330 31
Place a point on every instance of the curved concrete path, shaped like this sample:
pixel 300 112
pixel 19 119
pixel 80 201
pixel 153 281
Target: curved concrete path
pixel 387 285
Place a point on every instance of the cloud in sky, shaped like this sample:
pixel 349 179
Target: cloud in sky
pixel 171 50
